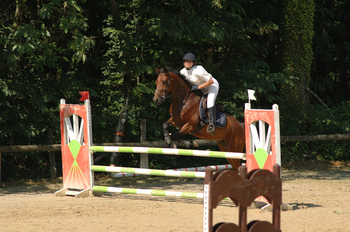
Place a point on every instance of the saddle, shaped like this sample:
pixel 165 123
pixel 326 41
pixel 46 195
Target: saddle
pixel 220 121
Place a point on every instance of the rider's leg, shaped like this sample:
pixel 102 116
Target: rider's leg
pixel 212 93
pixel 212 118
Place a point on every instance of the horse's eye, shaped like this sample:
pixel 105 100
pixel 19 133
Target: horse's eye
pixel 164 82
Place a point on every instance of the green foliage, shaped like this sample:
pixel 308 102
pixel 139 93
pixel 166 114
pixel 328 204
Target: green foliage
pixel 330 70
pixel 330 150
pixel 40 53
pixel 320 121
pixel 39 65
pixel 53 49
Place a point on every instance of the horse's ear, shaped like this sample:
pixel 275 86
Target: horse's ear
pixel 157 70
pixel 165 70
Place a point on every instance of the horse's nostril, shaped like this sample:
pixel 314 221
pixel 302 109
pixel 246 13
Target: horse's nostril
pixel 156 101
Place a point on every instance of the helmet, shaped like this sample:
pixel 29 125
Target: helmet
pixel 190 56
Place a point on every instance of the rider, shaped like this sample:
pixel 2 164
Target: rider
pixel 200 79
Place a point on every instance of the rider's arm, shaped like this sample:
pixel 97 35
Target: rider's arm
pixel 206 84
pixel 203 75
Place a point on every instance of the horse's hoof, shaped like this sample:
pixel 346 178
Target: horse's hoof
pixel 187 144
pixel 168 141
pixel 173 145
pixel 194 144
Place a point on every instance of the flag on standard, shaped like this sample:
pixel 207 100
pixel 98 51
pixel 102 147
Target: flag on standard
pixel 251 94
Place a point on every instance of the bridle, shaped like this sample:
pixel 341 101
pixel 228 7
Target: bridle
pixel 166 95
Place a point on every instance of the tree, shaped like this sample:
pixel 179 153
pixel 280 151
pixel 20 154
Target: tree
pixel 330 76
pixel 42 46
pixel 219 32
pixel 53 49
pixel 297 56
pixel 298 53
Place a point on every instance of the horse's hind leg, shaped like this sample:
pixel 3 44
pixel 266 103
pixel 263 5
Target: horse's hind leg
pixel 235 163
pixel 185 129
pixel 184 143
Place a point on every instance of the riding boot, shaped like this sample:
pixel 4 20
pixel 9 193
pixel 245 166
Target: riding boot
pixel 212 118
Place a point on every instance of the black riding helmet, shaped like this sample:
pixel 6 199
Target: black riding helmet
pixel 190 56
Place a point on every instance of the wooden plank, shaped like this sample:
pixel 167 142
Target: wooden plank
pixel 30 148
pixel 198 142
pixel 312 138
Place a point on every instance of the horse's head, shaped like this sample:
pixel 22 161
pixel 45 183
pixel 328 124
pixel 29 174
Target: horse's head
pixel 163 86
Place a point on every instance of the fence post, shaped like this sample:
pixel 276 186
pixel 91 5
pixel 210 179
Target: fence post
pixel 144 157
pixel 52 158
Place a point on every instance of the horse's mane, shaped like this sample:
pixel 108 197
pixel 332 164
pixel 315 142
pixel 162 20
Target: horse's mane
pixel 176 72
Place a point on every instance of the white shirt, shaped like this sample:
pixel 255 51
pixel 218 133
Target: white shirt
pixel 197 75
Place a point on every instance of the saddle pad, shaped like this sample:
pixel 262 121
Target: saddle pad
pixel 220 116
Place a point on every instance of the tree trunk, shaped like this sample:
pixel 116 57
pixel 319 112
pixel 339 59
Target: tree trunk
pixel 18 13
pixel 343 82
pixel 298 55
pixel 115 13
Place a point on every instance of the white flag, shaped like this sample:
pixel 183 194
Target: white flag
pixel 251 94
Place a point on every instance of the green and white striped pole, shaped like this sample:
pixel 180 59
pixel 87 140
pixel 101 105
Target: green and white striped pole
pixel 152 192
pixel 195 169
pixel 169 151
pixel 144 171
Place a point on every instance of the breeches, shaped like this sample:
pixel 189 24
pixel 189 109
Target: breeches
pixel 213 91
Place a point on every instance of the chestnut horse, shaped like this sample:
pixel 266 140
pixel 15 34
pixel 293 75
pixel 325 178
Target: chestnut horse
pixel 184 112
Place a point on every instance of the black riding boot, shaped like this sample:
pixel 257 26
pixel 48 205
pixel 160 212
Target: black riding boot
pixel 212 118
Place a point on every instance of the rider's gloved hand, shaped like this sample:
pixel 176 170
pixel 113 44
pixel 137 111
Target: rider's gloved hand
pixel 194 87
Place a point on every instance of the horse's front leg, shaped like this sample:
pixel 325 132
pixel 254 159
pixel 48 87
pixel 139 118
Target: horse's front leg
pixel 166 132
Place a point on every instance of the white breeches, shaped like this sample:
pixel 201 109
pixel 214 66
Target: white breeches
pixel 213 91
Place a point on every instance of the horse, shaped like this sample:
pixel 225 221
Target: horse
pixel 184 112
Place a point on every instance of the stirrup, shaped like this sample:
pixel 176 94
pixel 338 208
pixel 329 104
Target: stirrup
pixel 211 129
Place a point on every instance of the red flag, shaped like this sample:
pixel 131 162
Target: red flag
pixel 84 95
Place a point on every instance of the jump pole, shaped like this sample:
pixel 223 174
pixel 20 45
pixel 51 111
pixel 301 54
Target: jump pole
pixel 77 152
pixel 195 169
pixel 152 192
pixel 168 151
pixel 153 172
